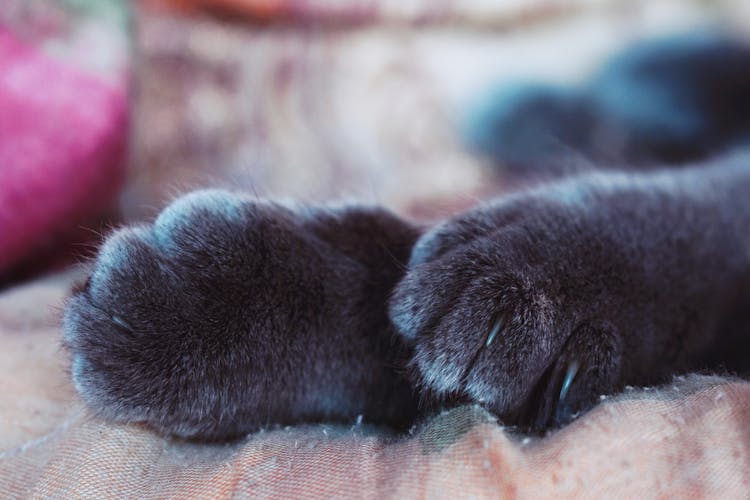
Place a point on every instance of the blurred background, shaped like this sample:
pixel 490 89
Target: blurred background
pixel 109 109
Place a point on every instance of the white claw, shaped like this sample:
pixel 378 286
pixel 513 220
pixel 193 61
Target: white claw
pixel 121 323
pixel 493 333
pixel 569 376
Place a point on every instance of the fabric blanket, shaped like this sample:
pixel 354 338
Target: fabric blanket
pixel 690 439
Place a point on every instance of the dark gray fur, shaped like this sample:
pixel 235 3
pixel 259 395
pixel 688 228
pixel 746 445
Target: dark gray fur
pixel 229 313
pixel 631 277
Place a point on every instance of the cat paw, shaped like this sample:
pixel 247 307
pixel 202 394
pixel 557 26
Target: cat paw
pixel 169 317
pixel 516 306
pixel 226 314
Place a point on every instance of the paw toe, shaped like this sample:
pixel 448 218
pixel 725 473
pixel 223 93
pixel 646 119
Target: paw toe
pixel 182 223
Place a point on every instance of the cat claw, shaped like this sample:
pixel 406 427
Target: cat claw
pixel 563 411
pixel 499 324
pixel 117 320
pixel 569 376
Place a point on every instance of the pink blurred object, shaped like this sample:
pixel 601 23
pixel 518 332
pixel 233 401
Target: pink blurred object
pixel 62 150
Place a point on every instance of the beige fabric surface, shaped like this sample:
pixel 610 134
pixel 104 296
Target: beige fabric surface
pixel 687 440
